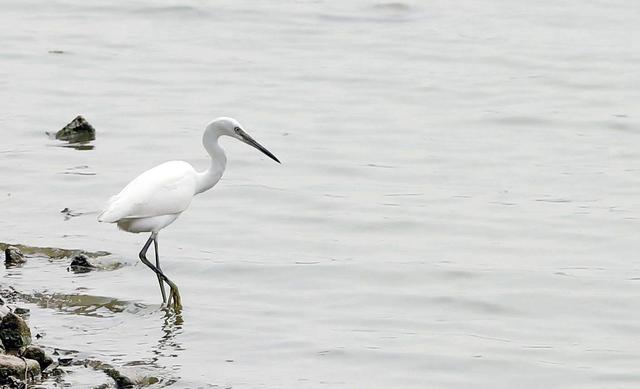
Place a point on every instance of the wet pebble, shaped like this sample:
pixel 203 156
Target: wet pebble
pixel 13 256
pixel 38 354
pixel 81 264
pixel 65 361
pixel 21 311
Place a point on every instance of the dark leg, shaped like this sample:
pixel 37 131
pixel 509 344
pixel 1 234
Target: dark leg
pixel 175 294
pixel 155 249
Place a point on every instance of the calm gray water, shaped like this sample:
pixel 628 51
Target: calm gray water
pixel 457 206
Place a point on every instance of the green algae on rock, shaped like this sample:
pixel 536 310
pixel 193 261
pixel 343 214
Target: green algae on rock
pixel 52 252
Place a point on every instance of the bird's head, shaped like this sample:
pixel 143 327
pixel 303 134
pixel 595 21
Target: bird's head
pixel 224 126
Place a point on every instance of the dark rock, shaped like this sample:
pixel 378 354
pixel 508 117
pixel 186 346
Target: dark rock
pixel 13 256
pixel 81 264
pixel 65 361
pixel 79 130
pixel 14 332
pixel 12 366
pixel 13 383
pixel 21 311
pixel 38 354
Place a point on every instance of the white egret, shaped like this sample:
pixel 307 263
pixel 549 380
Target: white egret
pixel 156 198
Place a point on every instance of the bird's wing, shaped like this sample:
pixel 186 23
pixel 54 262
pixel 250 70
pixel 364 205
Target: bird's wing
pixel 163 190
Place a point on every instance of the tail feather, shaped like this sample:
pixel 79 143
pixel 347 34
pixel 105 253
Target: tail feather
pixel 103 218
pixel 108 215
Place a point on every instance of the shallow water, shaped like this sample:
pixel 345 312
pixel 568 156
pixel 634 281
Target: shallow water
pixel 457 204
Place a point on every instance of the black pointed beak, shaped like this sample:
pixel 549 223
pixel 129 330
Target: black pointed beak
pixel 251 142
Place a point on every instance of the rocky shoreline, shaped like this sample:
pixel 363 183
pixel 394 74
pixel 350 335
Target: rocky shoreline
pixel 21 362
pixel 25 359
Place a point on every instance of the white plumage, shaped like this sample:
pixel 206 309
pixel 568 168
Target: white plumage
pixel 165 190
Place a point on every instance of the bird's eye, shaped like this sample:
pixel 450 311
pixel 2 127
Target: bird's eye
pixel 237 130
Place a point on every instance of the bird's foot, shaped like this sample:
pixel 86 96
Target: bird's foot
pixel 177 301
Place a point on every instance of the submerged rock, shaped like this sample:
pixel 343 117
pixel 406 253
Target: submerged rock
pixel 79 130
pixel 38 354
pixel 13 256
pixel 81 264
pixel 52 252
pixel 12 366
pixel 14 332
pixel 65 361
pixel 122 381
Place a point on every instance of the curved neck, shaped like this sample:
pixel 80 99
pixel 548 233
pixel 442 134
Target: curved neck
pixel 212 175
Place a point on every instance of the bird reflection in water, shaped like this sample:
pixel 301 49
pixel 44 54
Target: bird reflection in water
pixel 168 346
